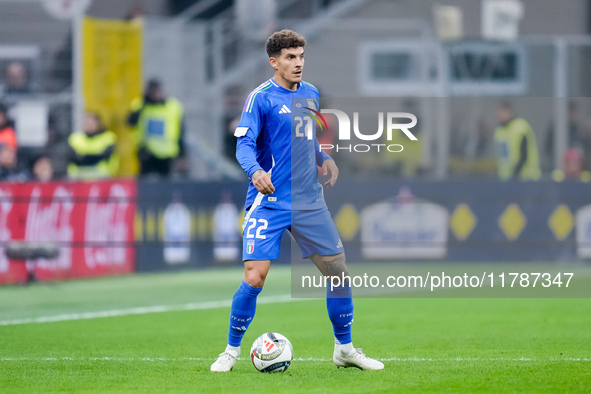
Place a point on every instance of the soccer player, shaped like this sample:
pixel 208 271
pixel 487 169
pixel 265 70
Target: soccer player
pixel 280 199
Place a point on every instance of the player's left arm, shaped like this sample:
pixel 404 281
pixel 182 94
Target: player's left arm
pixel 327 163
pixel 329 166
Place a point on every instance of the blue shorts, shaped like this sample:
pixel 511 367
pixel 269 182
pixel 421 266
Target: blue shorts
pixel 314 231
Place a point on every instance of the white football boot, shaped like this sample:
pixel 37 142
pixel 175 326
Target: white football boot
pixel 226 360
pixel 355 358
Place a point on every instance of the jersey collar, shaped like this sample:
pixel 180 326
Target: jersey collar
pixel 282 88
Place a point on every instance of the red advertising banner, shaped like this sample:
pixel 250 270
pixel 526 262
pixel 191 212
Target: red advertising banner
pixel 91 222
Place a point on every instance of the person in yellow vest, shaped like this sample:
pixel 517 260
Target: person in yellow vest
pixel 159 129
pixel 517 149
pixel 92 154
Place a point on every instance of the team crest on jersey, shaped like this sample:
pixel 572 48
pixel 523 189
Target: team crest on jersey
pixel 250 246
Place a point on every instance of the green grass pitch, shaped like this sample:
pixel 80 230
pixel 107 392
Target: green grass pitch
pixel 451 345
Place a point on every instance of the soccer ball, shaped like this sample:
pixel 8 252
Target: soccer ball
pixel 271 352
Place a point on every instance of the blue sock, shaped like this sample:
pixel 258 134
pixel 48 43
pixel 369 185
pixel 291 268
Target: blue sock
pixel 244 305
pixel 339 303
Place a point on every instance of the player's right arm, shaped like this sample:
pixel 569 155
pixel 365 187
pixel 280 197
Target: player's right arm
pixel 247 133
pixel 262 181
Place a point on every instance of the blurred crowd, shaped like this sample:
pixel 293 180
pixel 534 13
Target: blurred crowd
pixel 508 146
pixel 155 122
pixel 515 149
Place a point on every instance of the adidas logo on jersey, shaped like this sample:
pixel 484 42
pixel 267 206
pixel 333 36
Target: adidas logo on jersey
pixel 340 244
pixel 285 110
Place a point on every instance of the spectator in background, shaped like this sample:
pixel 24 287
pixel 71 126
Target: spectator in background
pixel 136 11
pixel 517 150
pixel 8 165
pixel 574 129
pixel 158 121
pixel 7 134
pixel 42 169
pixel 572 167
pixel 92 154
pixel 8 150
pixel 586 143
pixel 16 79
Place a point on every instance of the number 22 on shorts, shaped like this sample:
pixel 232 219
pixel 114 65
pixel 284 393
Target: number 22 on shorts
pixel 262 225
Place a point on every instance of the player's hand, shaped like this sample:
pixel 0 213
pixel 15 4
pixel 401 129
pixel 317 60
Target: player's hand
pixel 262 181
pixel 329 166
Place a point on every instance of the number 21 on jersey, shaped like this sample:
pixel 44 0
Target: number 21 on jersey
pixel 307 132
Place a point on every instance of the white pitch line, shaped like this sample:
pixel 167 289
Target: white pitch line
pixel 313 359
pixel 144 310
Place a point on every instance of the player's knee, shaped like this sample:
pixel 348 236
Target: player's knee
pixel 336 265
pixel 255 277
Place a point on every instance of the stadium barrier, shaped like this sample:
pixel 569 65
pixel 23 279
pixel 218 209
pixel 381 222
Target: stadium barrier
pixel 101 227
pixel 463 221
pixel 91 223
pixel 182 225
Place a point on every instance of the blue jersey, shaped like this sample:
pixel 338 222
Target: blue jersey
pixel 276 134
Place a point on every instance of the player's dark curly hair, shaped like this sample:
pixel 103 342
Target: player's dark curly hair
pixel 283 39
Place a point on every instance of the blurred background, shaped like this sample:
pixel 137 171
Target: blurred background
pixel 89 88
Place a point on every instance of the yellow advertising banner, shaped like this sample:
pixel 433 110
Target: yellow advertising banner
pixel 112 78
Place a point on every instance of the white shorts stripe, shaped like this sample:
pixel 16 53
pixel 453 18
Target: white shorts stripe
pixel 258 199
pixel 255 204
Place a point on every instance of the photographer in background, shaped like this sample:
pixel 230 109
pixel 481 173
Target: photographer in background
pixel 159 129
